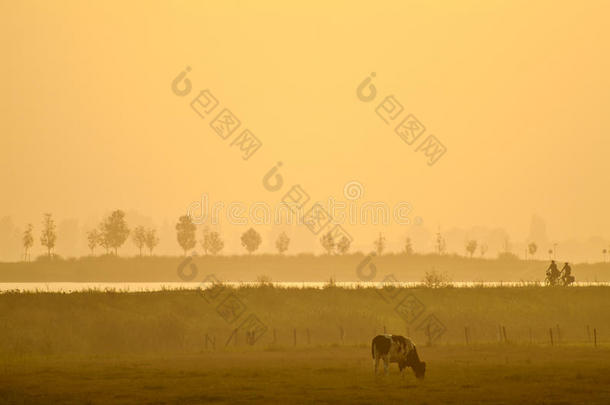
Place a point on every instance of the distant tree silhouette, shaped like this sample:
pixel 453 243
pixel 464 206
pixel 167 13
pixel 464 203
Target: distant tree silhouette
pixel 102 238
pixel 483 249
pixel 282 243
pixel 604 251
pixel 114 231
pixel 139 237
pixel 409 247
pixel 93 240
pixel 211 243
pixel 550 254
pixel 343 245
pixel 440 242
pixel 205 241
pixel 471 247
pixel 185 233
pixel 379 244
pixel 328 243
pixel 251 240
pixel 151 240
pixel 532 248
pixel 28 242
pixel 215 243
pixel 48 237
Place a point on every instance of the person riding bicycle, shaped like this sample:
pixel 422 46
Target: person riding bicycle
pixel 552 273
pixel 566 275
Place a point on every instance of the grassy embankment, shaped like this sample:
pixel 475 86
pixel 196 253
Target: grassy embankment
pixel 177 321
pixel 288 268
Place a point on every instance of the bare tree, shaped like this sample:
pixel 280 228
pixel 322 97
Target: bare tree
pixel 185 233
pixel 282 243
pixel 343 245
pixel 48 237
pixel 409 247
pixel 328 243
pixel 483 249
pixel 151 240
pixel 205 241
pixel 28 242
pixel 93 239
pixel 251 240
pixel 139 237
pixel 471 247
pixel 379 244
pixel 440 243
pixel 532 248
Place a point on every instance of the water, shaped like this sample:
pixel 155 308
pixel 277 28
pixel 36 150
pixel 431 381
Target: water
pixel 158 286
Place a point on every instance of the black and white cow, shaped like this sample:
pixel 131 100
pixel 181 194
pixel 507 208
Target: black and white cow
pixel 397 349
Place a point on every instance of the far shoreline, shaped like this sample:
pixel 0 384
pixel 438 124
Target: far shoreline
pixel 301 268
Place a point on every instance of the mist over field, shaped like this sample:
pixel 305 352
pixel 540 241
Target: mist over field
pixel 292 203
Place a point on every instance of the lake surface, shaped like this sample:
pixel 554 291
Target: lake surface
pixel 158 286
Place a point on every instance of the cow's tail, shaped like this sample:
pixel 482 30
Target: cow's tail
pixel 373 349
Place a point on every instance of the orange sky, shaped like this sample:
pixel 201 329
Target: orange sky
pixel 517 91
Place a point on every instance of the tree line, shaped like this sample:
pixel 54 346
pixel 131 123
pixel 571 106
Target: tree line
pixel 113 231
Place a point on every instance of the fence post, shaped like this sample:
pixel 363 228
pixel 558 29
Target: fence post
pixel 504 334
pixel 233 334
pixel 595 337
pixel 551 334
pixel 210 340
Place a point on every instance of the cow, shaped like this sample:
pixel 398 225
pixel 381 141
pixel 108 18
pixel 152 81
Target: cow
pixel 397 349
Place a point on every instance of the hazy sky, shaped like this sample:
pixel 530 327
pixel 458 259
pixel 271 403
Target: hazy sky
pixel 517 91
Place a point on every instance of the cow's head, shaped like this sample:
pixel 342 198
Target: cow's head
pixel 419 369
pixel 412 360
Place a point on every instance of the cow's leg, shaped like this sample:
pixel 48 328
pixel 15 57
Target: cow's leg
pixel 376 363
pixel 386 365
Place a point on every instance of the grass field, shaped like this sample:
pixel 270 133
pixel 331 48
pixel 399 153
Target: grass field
pixel 489 374
pixel 178 321
pixel 149 347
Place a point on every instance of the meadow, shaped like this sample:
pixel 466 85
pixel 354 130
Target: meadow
pixel 457 374
pixel 181 347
